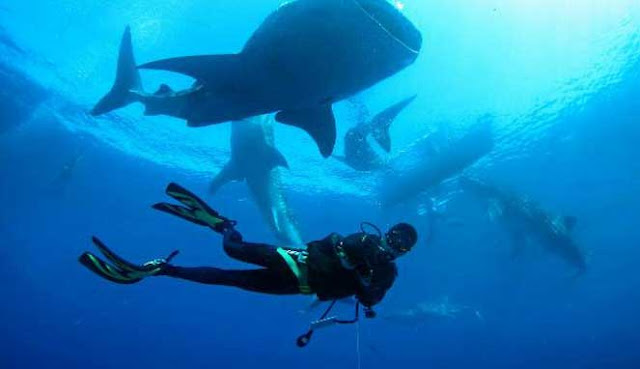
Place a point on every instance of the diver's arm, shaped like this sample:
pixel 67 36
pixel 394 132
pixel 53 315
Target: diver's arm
pixel 375 286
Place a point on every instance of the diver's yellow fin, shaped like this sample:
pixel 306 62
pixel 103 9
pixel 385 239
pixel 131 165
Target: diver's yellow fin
pixel 105 270
pixel 195 211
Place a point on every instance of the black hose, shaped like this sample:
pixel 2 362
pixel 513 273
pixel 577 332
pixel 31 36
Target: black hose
pixel 375 227
pixel 304 339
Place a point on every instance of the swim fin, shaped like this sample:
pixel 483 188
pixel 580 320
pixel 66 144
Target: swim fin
pixel 120 270
pixel 196 210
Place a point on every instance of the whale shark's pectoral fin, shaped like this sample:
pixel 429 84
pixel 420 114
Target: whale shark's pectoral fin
pixel 273 158
pixel 317 121
pixel 208 68
pixel 229 173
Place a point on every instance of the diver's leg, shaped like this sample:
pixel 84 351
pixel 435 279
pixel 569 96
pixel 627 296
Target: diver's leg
pixel 261 254
pixel 269 281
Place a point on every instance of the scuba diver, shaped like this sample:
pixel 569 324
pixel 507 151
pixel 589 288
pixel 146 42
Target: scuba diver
pixel 336 267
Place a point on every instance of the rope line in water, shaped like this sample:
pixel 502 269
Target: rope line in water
pixel 358 345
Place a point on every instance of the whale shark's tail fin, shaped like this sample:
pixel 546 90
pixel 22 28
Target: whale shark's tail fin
pixel 382 121
pixel 127 80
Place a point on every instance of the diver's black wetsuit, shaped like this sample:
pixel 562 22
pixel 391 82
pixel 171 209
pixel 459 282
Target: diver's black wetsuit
pixel 274 277
pixel 368 275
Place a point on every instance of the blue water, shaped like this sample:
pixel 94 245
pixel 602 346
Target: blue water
pixel 562 80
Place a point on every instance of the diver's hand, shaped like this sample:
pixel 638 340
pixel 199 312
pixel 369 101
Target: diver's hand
pixel 232 235
pixel 369 313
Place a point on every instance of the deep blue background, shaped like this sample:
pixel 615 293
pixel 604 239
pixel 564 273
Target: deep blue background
pixel 535 313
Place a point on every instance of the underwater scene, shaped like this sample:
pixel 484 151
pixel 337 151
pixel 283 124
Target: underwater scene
pixel 320 183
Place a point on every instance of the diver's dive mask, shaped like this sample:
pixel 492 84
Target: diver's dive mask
pixel 400 239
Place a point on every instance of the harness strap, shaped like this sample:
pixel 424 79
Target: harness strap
pixel 298 268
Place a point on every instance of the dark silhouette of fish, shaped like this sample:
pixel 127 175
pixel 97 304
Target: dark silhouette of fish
pixel 253 160
pixel 526 221
pixel 358 153
pixel 304 57
pixel 445 163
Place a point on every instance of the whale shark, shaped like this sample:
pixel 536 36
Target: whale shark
pixel 358 153
pixel 20 97
pixel 304 57
pixel 527 222
pixel 430 167
pixel 430 311
pixel 254 159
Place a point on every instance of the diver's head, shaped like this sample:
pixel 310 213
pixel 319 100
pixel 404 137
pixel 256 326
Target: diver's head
pixel 401 238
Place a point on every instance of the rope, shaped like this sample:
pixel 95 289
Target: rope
pixel 358 345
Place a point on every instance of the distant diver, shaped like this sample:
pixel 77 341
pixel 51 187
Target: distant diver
pixel 358 153
pixel 304 57
pixel 526 222
pixel 62 179
pixel 254 159
pixel 66 173
pixel 360 265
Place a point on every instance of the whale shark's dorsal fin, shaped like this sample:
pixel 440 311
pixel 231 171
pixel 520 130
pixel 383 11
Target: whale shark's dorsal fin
pixel 201 67
pixel 317 121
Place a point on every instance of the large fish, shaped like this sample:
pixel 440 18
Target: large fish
pixel 402 185
pixel 429 312
pixel 254 159
pixel 526 221
pixel 304 57
pixel 358 153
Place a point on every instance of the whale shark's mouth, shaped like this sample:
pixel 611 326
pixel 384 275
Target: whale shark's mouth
pixel 393 22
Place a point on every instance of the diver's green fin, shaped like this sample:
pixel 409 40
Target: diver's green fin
pixel 105 270
pixel 121 271
pixel 179 211
pixel 196 210
pixel 114 258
